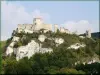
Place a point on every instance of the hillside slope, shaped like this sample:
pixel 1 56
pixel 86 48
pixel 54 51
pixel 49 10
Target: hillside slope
pixel 64 58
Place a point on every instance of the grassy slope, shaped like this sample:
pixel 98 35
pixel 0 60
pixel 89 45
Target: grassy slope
pixel 2 46
pixel 2 43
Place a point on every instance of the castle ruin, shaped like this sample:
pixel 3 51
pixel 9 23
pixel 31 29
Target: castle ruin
pixel 36 26
pixel 63 30
pixel 88 33
pixel 55 28
pixel 39 24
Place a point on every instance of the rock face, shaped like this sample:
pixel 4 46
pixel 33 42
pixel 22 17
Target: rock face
pixel 30 49
pixel 89 61
pixel 12 44
pixel 59 40
pixel 10 49
pixel 15 38
pixel 42 38
pixel 43 50
pixel 27 50
pixel 76 46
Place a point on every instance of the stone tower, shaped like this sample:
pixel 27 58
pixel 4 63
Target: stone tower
pixel 55 28
pixel 38 23
pixel 88 33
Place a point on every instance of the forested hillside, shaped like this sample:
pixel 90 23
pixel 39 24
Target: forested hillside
pixel 61 61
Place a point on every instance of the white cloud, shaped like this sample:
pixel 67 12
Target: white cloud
pixel 80 26
pixel 13 14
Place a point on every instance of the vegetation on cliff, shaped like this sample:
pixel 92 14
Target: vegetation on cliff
pixel 60 61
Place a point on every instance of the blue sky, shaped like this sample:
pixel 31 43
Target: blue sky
pixel 61 11
pixel 73 15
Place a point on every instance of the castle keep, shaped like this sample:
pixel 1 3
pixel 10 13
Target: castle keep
pixel 36 26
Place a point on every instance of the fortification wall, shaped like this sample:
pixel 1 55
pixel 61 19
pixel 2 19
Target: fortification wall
pixel 21 26
pixel 62 30
pixel 47 27
pixel 67 31
pixel 37 25
pixel 28 26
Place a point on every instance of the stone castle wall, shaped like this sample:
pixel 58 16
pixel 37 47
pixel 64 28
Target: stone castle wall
pixel 47 26
pixel 37 25
pixel 25 27
pixel 63 30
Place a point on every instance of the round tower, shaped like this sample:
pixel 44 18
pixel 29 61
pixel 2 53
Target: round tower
pixel 55 28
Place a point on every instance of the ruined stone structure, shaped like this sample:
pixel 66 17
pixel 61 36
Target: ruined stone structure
pixel 55 28
pixel 36 26
pixel 88 33
pixel 63 30
pixel 25 28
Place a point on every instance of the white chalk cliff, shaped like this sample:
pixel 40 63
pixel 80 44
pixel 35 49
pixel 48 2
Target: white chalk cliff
pixel 34 47
pixel 31 48
pixel 10 48
pixel 42 38
pixel 76 46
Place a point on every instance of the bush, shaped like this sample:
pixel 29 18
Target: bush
pixel 70 71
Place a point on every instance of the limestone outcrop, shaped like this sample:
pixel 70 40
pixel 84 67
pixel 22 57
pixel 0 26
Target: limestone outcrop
pixel 59 40
pixel 41 38
pixel 76 46
pixel 10 48
pixel 30 49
